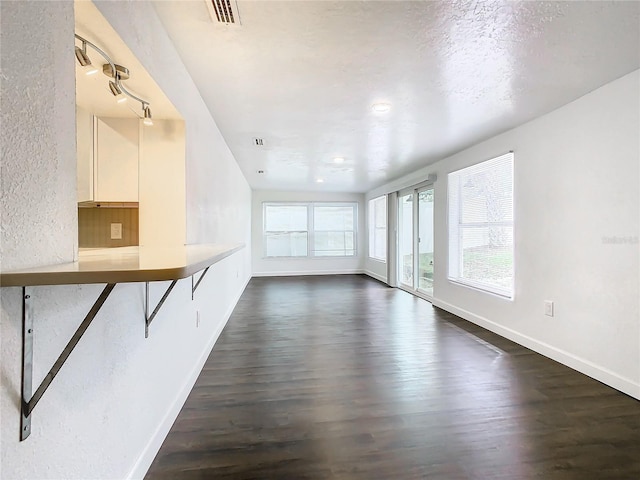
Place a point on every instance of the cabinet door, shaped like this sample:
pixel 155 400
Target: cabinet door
pixel 116 152
pixel 84 154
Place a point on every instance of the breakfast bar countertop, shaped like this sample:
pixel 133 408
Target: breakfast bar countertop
pixel 123 264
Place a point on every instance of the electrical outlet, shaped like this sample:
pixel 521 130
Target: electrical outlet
pixel 116 231
pixel 548 308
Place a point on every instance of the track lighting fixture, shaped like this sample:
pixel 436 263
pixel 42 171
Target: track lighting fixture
pixel 117 73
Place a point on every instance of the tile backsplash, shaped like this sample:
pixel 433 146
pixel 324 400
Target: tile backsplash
pixel 95 225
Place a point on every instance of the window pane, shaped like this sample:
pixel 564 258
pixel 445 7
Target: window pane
pixel 285 218
pixel 378 228
pixel 481 225
pixel 349 241
pixel 381 212
pixel 333 218
pixel 405 239
pixel 487 255
pixel 380 244
pixel 286 244
pixel 333 230
pixel 333 243
pixel 425 241
pixel 486 196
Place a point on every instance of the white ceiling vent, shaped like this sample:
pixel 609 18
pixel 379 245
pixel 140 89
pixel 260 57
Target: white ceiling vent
pixel 223 11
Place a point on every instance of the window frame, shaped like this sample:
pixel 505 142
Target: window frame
pixel 455 232
pixel 311 232
pixel 372 228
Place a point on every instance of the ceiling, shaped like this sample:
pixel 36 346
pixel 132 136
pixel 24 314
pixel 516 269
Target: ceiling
pixel 303 76
pixel 92 91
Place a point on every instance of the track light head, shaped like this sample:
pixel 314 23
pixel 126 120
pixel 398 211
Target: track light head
pixel 115 89
pixel 117 92
pixel 147 115
pixel 122 73
pixel 84 60
pixel 82 57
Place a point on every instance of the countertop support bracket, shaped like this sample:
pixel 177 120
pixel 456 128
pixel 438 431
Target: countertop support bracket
pixel 109 267
pixel 149 318
pixel 193 287
pixel 27 361
pixel 27 406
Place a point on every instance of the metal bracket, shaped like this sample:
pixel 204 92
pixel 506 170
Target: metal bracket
pixel 149 318
pixel 29 402
pixel 193 287
pixel 27 362
pixel 27 406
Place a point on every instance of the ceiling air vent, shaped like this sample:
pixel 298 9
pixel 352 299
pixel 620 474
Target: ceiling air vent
pixel 224 11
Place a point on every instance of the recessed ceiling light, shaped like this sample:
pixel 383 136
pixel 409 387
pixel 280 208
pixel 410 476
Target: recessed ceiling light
pixel 319 180
pixel 338 160
pixel 381 107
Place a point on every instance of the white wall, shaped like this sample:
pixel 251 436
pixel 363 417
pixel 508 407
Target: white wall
pixel 38 201
pixel 304 266
pixel 84 154
pixel 576 186
pixel 107 411
pixel 162 184
pixel 376 269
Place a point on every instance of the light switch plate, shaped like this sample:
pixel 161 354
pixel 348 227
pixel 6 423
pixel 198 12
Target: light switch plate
pixel 116 231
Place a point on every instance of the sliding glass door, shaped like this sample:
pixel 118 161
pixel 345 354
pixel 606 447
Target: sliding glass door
pixel 415 240
pixel 405 240
pixel 425 241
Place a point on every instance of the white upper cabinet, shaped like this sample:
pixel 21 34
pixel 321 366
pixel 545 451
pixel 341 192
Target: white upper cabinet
pixel 108 151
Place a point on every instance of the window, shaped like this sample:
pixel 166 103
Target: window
pixel 286 230
pixel 309 229
pixel 378 228
pixel 481 226
pixel 334 230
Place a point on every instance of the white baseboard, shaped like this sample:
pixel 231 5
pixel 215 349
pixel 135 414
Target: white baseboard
pixel 381 278
pixel 308 272
pixel 590 369
pixel 150 451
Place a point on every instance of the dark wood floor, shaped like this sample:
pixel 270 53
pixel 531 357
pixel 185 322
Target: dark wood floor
pixel 343 378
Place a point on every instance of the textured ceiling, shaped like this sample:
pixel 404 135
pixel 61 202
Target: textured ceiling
pixel 303 76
